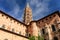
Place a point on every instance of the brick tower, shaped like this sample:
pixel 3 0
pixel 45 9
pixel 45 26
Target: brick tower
pixel 27 14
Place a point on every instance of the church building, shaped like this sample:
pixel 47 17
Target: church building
pixel 12 29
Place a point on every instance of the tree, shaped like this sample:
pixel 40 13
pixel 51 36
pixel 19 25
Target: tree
pixel 40 38
pixel 34 38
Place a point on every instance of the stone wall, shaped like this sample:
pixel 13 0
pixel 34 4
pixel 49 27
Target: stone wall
pixel 7 35
pixel 10 24
pixel 46 23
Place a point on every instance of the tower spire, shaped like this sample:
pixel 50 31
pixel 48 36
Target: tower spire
pixel 27 4
pixel 27 14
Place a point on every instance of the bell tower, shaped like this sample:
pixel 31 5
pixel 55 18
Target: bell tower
pixel 27 14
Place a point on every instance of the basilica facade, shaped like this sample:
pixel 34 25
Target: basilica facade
pixel 13 29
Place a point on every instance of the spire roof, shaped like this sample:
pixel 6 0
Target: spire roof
pixel 27 5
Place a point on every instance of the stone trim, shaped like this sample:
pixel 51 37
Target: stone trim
pixel 13 33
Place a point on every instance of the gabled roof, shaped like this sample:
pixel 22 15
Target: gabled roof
pixel 56 12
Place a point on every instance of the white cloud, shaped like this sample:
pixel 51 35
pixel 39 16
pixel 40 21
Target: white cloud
pixel 15 10
pixel 20 18
pixel 33 2
pixel 41 6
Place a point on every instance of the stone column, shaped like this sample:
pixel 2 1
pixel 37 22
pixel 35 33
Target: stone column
pixel 49 31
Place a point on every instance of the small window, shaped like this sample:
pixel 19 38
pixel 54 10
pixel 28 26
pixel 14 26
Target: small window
pixel 26 34
pixel 6 17
pixel 20 32
pixel 39 22
pixel 46 19
pixel 27 14
pixel 29 35
pixel 17 23
pixel 42 20
pixel 50 17
pixel 5 39
pixel 54 15
pixel 12 30
pixel 10 19
pixel 43 31
pixel 53 28
pixel 2 15
pixel 14 21
pixel 3 26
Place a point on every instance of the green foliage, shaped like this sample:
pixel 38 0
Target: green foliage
pixel 34 38
pixel 40 38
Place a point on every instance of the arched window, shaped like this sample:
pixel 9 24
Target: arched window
pixel 53 28
pixel 43 31
pixel 55 38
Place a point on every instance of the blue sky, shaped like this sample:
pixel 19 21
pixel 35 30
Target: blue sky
pixel 40 8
